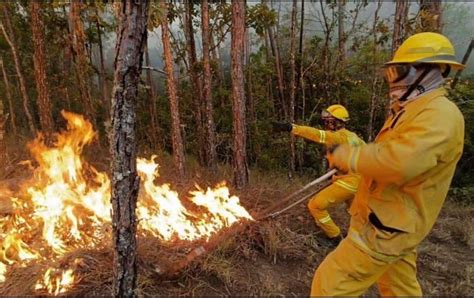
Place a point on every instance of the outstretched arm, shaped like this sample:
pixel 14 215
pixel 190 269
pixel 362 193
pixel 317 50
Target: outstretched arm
pixel 326 137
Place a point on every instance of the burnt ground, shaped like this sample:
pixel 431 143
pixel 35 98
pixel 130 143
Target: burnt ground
pixel 272 257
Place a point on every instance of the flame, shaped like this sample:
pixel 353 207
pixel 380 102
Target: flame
pixel 66 205
pixel 3 271
pixel 55 285
pixel 162 212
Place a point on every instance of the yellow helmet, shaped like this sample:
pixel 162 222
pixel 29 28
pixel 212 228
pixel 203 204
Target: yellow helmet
pixel 338 112
pixel 426 47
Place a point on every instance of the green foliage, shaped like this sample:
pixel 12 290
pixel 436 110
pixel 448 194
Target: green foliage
pixel 260 17
pixel 463 95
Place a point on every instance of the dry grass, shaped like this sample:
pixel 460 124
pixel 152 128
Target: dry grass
pixel 274 257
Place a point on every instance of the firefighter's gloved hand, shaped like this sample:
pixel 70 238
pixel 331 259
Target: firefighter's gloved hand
pixel 281 126
pixel 339 157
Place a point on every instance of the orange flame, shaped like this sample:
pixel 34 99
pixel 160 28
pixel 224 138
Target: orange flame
pixel 55 285
pixel 162 212
pixel 67 203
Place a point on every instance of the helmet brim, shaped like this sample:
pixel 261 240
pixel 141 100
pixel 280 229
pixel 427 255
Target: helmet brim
pixel 454 65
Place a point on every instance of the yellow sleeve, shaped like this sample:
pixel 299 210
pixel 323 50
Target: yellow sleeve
pixel 326 137
pixel 420 147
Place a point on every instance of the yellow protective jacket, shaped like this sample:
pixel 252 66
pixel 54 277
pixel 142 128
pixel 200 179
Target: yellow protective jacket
pixel 406 175
pixel 333 138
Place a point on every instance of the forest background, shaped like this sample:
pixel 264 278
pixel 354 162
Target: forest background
pixel 299 58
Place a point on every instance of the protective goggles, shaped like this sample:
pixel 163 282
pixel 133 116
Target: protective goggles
pixel 396 73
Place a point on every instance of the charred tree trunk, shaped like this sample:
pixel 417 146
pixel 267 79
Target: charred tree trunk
pixel 238 96
pixel 7 30
pixel 39 59
pixel 211 159
pixel 103 72
pixel 178 151
pixel 431 13
pixel 131 40
pixel 81 65
pixel 291 107
pixel 9 98
pixel 401 14
pixel 192 61
pixel 155 130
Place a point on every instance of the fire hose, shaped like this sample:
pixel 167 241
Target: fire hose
pixel 174 268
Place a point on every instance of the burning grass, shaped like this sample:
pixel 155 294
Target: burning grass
pixel 65 207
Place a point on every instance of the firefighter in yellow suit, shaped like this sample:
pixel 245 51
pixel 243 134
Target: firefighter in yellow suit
pixel 406 175
pixel 343 187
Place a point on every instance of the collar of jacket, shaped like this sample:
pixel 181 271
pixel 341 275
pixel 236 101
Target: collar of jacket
pixel 397 106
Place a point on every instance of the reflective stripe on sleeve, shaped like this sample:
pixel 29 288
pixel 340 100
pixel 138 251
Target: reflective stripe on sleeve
pixel 325 219
pixel 322 136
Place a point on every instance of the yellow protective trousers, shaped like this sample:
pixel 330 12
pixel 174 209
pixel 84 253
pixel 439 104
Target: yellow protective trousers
pixel 326 198
pixel 349 271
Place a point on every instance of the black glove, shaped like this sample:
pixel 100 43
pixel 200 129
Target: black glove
pixel 281 126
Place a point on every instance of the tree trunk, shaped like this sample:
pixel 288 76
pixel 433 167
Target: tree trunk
pixel 401 15
pixel 279 70
pixel 68 58
pixel 3 147
pixel 192 60
pixel 253 145
pixel 178 151
pixel 373 98
pixel 9 98
pixel 300 56
pixel 325 53
pixel 341 38
pixel 300 82
pixel 103 73
pixel 155 130
pixel 278 67
pixel 431 13
pixel 39 59
pixel 81 65
pixel 291 107
pixel 7 30
pixel 206 90
pixel 217 59
pixel 268 76
pixel 131 40
pixel 238 97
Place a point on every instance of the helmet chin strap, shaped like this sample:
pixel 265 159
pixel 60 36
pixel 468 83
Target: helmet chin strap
pixel 416 83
